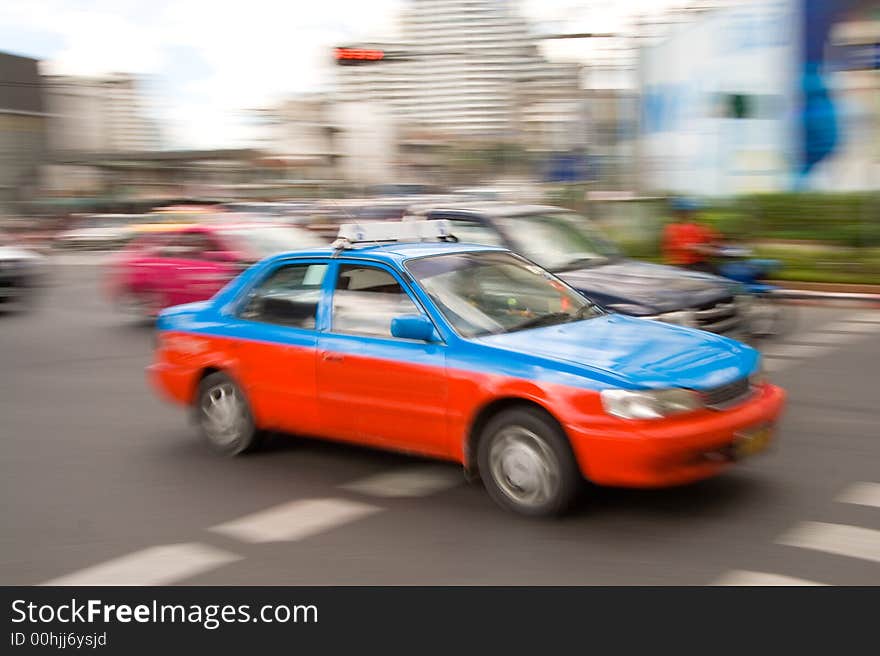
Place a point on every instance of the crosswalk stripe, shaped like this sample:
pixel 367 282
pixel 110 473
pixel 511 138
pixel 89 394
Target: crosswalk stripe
pixel 840 539
pixel 795 351
pixel 408 482
pixel 864 494
pixel 160 565
pixel 746 577
pixel 295 520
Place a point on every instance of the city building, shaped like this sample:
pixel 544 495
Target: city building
pixel 299 132
pixel 99 114
pixel 22 128
pixel 551 110
pixel 365 141
pixel 463 68
pixel 464 73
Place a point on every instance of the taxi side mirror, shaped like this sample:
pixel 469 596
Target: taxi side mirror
pixel 413 326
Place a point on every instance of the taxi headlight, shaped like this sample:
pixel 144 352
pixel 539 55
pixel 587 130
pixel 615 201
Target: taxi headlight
pixel 649 404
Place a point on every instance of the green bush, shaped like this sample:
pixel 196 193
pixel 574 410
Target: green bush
pixel 836 235
pixel 829 264
pixel 849 219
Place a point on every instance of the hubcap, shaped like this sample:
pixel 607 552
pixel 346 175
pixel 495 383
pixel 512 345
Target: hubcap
pixel 223 414
pixel 524 466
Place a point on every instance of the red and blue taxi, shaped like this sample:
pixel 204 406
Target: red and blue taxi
pixel 466 353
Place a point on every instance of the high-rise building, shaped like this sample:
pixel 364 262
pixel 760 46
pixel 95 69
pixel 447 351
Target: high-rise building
pixel 299 127
pixel 318 136
pixel 99 114
pixel 22 128
pixel 465 68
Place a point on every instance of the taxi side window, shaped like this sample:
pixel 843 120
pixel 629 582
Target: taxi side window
pixel 288 297
pixel 366 299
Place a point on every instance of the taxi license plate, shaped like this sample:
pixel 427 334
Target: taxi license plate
pixel 749 442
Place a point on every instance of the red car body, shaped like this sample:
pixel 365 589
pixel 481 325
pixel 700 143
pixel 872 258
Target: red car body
pixel 187 263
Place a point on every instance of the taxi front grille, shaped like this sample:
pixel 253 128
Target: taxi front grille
pixel 720 317
pixel 725 396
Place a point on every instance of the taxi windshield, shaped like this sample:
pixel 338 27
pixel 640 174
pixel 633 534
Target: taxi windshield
pixel 559 242
pixel 486 293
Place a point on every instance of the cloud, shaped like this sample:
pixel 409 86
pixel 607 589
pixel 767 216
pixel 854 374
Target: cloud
pixel 250 53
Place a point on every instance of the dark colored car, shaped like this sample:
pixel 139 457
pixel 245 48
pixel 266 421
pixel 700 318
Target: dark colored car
pixel 573 248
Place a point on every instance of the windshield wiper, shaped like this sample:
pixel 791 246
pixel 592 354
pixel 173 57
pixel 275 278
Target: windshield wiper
pixel 550 319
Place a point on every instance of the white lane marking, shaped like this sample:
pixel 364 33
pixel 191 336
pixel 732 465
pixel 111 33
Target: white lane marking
pixel 795 351
pixel 745 577
pixel 408 482
pixel 295 520
pixel 840 539
pixel 864 494
pixel 158 565
pixel 825 338
pixel 867 317
pixel 842 327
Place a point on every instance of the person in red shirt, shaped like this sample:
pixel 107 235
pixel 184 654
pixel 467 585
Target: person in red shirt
pixel 686 242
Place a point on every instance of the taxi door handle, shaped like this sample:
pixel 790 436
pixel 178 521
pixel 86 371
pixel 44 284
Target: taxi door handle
pixel 330 356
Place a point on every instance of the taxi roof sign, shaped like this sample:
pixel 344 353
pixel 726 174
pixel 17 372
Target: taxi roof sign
pixel 386 231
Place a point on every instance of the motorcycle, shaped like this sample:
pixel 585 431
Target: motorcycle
pixel 767 316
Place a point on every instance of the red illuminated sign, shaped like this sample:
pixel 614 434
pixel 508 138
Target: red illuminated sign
pixel 358 55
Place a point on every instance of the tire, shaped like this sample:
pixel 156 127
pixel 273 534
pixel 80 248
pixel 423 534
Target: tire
pixel 526 463
pixel 224 416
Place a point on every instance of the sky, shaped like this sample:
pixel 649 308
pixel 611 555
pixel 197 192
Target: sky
pixel 206 62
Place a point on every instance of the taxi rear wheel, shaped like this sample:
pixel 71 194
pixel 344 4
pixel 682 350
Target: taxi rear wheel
pixel 526 463
pixel 224 416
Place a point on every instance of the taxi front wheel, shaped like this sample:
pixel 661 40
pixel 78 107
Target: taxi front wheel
pixel 526 463
pixel 224 415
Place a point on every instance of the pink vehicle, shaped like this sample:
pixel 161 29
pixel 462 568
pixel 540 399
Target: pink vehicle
pixel 191 263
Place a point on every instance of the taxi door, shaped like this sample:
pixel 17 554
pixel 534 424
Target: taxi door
pixel 276 350
pixel 374 388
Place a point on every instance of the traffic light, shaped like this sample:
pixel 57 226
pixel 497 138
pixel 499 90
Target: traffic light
pixel 358 56
pixel 355 56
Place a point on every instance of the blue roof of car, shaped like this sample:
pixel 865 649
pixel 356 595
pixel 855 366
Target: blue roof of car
pixel 391 253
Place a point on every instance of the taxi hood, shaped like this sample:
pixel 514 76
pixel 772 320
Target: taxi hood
pixel 644 353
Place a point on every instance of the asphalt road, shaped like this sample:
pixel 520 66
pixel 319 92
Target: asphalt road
pixel 104 483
